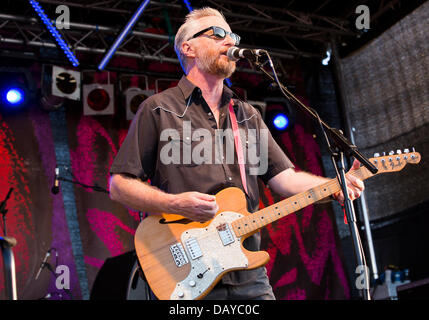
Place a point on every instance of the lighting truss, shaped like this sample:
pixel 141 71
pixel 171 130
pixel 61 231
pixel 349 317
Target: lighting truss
pixel 53 30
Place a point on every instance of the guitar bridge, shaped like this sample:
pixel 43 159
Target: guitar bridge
pixel 179 255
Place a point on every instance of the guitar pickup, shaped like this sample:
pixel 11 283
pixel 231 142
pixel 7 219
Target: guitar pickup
pixel 225 234
pixel 193 248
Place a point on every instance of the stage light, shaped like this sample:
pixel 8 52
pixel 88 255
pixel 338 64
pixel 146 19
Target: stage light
pixel 122 35
pixel 17 88
pixel 51 28
pixel 98 99
pixel 325 61
pixel 134 97
pixel 279 115
pixel 66 83
pixel 188 5
pixel 15 96
pixel 281 121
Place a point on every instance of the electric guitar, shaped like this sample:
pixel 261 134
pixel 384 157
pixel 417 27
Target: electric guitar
pixel 183 259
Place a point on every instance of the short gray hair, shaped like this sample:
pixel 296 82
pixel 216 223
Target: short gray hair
pixel 184 32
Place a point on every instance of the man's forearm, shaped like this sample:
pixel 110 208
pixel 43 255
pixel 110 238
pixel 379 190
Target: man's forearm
pixel 139 195
pixel 290 182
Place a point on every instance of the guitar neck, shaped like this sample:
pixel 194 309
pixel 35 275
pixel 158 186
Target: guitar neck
pixel 253 222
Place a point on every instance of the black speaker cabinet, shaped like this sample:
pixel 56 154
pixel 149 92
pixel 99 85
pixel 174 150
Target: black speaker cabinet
pixel 119 279
pixel 414 290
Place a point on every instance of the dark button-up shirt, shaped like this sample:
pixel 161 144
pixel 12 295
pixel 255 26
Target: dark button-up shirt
pixel 175 141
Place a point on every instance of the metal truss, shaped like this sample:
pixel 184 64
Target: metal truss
pixel 286 33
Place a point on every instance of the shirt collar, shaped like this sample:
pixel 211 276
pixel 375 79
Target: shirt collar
pixel 187 87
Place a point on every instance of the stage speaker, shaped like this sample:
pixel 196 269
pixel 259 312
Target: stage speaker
pixel 138 288
pixel 119 279
pixel 417 290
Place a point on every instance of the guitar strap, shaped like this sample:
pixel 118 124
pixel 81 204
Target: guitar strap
pixel 238 145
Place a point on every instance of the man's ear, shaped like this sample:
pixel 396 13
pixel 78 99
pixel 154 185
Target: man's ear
pixel 188 49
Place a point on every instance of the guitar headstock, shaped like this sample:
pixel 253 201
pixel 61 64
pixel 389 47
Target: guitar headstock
pixel 395 161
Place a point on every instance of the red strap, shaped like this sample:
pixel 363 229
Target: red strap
pixel 238 145
pixel 345 215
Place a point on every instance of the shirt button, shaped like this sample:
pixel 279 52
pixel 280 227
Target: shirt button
pixel 210 114
pixel 230 178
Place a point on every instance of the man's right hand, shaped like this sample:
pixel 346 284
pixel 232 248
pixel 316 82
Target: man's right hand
pixel 196 206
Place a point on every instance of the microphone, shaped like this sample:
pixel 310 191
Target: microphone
pixel 235 53
pixel 48 253
pixel 56 187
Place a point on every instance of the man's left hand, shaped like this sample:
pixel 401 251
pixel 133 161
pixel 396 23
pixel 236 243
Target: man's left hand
pixel 355 185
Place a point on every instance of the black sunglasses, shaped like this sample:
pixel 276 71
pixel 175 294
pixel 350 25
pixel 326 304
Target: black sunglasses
pixel 219 33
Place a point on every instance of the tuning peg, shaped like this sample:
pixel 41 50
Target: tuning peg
pixel 406 150
pixel 391 153
pixel 384 153
pixel 398 151
pixel 414 150
pixel 376 155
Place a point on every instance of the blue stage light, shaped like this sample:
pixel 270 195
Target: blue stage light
pixel 15 96
pixel 281 121
pixel 188 5
pixel 63 45
pixel 122 35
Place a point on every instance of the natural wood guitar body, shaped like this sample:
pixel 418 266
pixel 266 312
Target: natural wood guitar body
pixel 183 259
pixel 153 240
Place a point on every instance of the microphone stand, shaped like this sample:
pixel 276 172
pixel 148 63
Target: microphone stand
pixel 3 210
pixel 75 181
pixel 338 145
pixel 6 245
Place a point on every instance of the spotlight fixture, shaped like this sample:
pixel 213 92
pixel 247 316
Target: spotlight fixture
pixel 98 99
pixel 66 83
pixel 279 116
pixel 325 61
pixel 134 97
pixel 17 88
pixel 15 96
pixel 281 121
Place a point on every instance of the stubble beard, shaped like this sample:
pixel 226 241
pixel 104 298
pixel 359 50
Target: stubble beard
pixel 211 62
